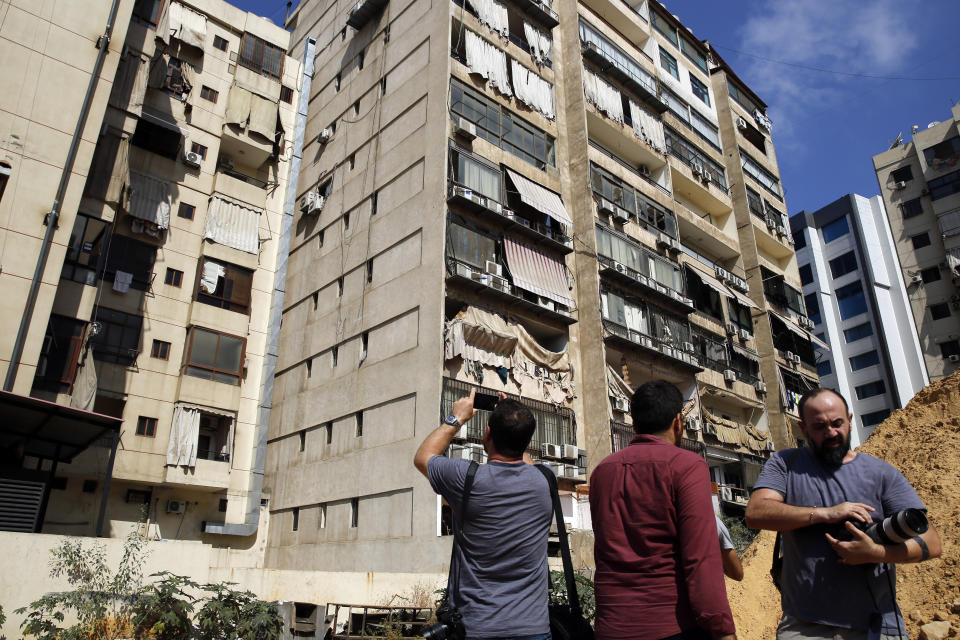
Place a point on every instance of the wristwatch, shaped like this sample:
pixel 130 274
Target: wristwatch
pixel 452 421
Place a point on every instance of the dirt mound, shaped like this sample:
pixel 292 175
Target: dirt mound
pixel 922 440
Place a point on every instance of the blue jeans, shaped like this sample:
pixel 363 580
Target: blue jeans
pixel 542 636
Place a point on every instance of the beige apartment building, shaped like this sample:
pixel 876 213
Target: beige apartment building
pixel 156 299
pixel 557 202
pixel 920 186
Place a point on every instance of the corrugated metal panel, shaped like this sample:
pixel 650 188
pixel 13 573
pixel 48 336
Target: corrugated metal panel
pixel 20 504
pixel 538 273
pixel 150 199
pixel 233 225
pixel 540 198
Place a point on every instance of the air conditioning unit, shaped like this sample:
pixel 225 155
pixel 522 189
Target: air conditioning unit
pixel 729 375
pixel 192 158
pixel 498 283
pixel 570 452
pixel 917 279
pixel 795 358
pixel 726 494
pixel 324 136
pixel 771 223
pixel 688 347
pixel 464 271
pixel 492 267
pixel 722 274
pixel 606 207
pixel 644 170
pixel 693 424
pixel 953 358
pixel 550 450
pixel 732 329
pixel 781 231
pixel 744 334
pixel 789 356
pixel 900 185
pixel 571 471
pixel 312 202
pixel 465 129
pixel 741 123
pixel 739 283
pixel 621 214
pixel 176 506
pixel 620 404
pixel 761 387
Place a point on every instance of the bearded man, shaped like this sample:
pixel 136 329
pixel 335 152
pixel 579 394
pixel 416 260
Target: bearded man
pixel 836 581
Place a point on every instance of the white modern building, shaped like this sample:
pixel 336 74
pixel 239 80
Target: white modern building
pixel 858 302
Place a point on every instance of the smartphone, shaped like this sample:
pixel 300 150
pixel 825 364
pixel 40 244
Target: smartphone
pixel 485 401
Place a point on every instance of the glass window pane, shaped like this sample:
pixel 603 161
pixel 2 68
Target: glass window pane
pixel 228 356
pixel 204 348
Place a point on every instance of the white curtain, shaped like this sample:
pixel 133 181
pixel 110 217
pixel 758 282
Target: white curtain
pixel 647 127
pixel 150 199
pixel 480 177
pixel 233 225
pixel 182 23
pixel 184 434
pixel 532 89
pixel 238 106
pixel 539 43
pixel 85 384
pixel 488 61
pixel 493 14
pixel 210 277
pixel 950 223
pixel 603 96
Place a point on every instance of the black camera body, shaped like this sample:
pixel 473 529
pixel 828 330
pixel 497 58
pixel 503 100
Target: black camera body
pixel 898 528
pixel 449 624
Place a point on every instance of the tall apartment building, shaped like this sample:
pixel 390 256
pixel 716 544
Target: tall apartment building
pixel 156 302
pixel 920 186
pixel 559 203
pixel 858 303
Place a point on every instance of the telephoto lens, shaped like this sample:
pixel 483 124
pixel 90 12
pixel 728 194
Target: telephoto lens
pixel 899 527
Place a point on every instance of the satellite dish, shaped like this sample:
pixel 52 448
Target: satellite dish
pixel 933 124
pixel 898 141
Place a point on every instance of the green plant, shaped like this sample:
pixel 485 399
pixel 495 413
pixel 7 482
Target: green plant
pixel 259 620
pixel 741 535
pixel 3 619
pixel 558 592
pixel 162 610
pixel 230 614
pixel 100 599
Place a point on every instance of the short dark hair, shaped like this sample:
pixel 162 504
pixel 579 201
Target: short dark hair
pixel 511 426
pixel 813 393
pixel 654 406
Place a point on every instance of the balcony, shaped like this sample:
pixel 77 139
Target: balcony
pixel 610 134
pixel 635 340
pixel 619 66
pixel 363 11
pixel 624 17
pixel 645 284
pixel 696 177
pixel 539 11
pixel 212 475
pixel 702 231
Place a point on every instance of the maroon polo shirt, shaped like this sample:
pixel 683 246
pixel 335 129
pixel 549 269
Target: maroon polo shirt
pixel 656 548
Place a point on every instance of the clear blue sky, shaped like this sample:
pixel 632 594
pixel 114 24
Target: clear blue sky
pixel 827 125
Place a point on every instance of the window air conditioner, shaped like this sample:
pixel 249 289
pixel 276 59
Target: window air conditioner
pixel 550 450
pixel 312 202
pixel 731 329
pixel 620 267
pixel 789 356
pixel 498 283
pixel 465 129
pixel 458 452
pixel 192 158
pixel 176 506
pixel 900 185
pixel 693 424
pixel 570 452
pixel 722 274
pixel 781 231
pixel 324 136
pixel 620 404
pixel 741 123
pixel 492 267
pixel 571 471
pixel 621 214
pixel 796 358
pixel 606 207
pixel 744 334
pixel 546 303
pixel 917 279
pixel 688 347
pixel 729 375
pixel 771 223
pixel 464 271
pixel 726 494
pixel 663 242
pixel 953 358
pixel 761 387
pixel 644 170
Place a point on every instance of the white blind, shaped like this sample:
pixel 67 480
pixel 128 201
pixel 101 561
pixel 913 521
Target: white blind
pixel 532 89
pixel 488 61
pixel 233 225
pixel 603 96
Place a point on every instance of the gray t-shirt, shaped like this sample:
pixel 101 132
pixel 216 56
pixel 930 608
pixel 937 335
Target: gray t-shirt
pixel 503 562
pixel 816 587
pixel 726 542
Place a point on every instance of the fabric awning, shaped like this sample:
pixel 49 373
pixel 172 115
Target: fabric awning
pixel 801 332
pixel 480 336
pixel 233 225
pixel 746 353
pixel 617 386
pixel 538 273
pixel 150 199
pixel 708 279
pixel 741 298
pixel 212 410
pixel 167 122
pixel 540 198
pixel 182 23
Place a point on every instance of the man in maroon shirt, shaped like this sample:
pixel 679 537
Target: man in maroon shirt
pixel 659 573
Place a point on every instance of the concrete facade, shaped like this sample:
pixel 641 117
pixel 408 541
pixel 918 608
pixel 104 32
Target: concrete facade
pixel 918 183
pixel 859 304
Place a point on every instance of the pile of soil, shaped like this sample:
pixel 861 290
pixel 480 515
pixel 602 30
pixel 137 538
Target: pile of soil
pixel 922 440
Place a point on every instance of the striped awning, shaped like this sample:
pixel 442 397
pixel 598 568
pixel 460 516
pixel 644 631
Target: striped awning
pixel 537 273
pixel 817 342
pixel 540 198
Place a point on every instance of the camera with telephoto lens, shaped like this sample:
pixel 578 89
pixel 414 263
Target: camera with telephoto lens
pixel 449 624
pixel 898 528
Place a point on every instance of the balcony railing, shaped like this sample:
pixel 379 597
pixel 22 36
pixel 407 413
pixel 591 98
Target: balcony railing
pixel 621 434
pixel 698 163
pixel 619 66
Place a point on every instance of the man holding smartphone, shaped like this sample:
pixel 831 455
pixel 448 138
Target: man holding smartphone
pixel 502 562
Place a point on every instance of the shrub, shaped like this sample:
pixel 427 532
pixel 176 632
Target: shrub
pixel 558 592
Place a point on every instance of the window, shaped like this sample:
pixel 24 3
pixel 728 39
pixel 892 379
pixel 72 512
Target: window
pixel 911 208
pixel 160 350
pixel 186 211
pixel 944 185
pixel 824 368
pixel 864 360
pixel 174 277
pixel 844 264
pixel 336 82
pixel 941 153
pixel 303 441
pixel 813 307
pixel 920 240
pixel 870 389
pixel 705 298
pixel 59 354
pixel 199 149
pixel 694 54
pixel 214 356
pixel 359 423
pixel 473 172
pixel 799 240
pixel 903 174
pixel 700 90
pixel 286 94
pixel 329 430
pixel 940 311
pixel 209 94
pixel 850 300
pixel 220 43
pixel 131 256
pixel 836 229
pixel 949 348
pixel 156 139
pixel 874 417
pixel 4 176
pixel 858 332
pixel 756 171
pixel 663 26
pixel 469 246
pixel 322 517
pixel 806 275
pixel 224 285
pixel 259 56
pixel 930 274
pixel 147 11
pixel 688 153
pixel 88 243
pixel 175 82
pixel 146 426
pixel 354 512
pixel 222 505
pixel 669 63
pixel 739 95
pixel 296 518
pixel 500 127
pixel 119 338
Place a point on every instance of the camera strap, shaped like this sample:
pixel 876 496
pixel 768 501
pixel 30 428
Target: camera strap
pixel 453 582
pixel 572 597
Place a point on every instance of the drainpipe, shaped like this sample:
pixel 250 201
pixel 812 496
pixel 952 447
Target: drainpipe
pixel 103 43
pixel 252 522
